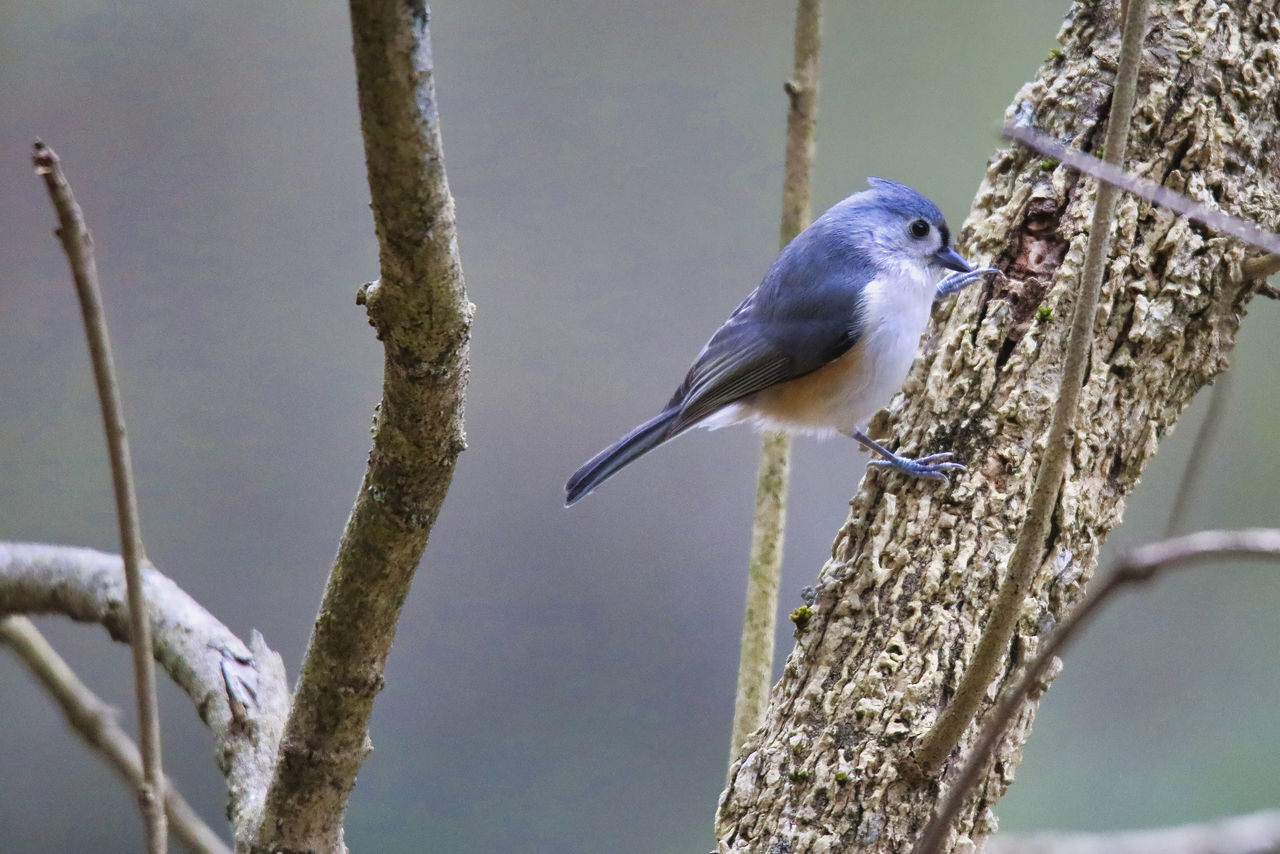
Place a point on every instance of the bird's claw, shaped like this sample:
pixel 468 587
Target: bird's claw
pixel 958 281
pixel 932 467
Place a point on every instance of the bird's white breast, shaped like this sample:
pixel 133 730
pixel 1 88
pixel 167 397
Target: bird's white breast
pixel 846 392
pixel 895 315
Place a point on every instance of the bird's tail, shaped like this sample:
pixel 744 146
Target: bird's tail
pixel 605 464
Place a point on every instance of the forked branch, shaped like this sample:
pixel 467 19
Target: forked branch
pixel 238 689
pixel 1136 567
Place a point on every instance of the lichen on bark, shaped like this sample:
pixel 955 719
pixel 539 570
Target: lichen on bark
pixel 914 569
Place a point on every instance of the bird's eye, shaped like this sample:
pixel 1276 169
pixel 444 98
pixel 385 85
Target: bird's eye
pixel 919 229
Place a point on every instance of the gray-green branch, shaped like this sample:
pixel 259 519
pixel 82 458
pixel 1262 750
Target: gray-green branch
pixel 420 311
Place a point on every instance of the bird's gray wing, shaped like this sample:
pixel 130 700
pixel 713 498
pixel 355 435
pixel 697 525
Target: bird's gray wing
pixel 754 350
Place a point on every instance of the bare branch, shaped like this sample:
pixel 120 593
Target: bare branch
pixel 1144 562
pixel 1029 551
pixel 95 722
pixel 78 244
pixel 1139 565
pixel 802 121
pixel 420 310
pixel 1114 176
pixel 239 691
pixel 764 573
pixel 1255 833
pixel 755 665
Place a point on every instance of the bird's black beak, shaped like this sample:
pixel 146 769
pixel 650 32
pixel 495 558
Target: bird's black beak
pixel 950 258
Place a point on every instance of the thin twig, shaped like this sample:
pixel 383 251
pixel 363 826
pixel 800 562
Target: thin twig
pixel 78 244
pixel 1112 175
pixel 992 646
pixel 1137 566
pixel 1253 833
pixel 95 722
pixel 1201 453
pixel 759 621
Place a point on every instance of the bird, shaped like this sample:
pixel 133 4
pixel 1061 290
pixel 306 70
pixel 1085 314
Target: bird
pixel 826 339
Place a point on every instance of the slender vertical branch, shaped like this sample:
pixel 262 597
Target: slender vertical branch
pixel 755 665
pixel 764 572
pixel 420 312
pixel 78 245
pixel 802 120
pixel 1029 551
pixel 95 722
pixel 1138 566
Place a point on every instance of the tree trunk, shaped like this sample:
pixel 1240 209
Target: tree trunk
pixel 914 569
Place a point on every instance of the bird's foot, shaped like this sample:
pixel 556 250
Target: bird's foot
pixel 932 467
pixel 958 281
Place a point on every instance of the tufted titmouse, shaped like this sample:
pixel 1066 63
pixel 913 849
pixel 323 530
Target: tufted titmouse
pixel 824 341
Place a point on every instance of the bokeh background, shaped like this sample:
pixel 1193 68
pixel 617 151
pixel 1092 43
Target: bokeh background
pixel 562 680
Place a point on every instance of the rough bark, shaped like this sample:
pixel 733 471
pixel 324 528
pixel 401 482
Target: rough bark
pixel 420 310
pixel 932 751
pixel 914 569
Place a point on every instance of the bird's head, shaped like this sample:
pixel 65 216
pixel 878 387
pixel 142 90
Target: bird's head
pixel 900 225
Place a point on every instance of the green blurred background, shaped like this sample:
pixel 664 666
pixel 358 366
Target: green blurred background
pixel 562 680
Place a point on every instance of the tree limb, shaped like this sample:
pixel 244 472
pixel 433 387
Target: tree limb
pixel 95 721
pixel 901 604
pixel 755 665
pixel 1256 267
pixel 764 576
pixel 78 245
pixel 421 313
pixel 239 691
